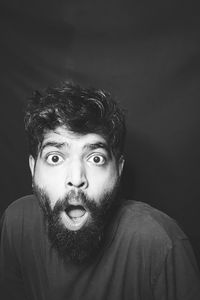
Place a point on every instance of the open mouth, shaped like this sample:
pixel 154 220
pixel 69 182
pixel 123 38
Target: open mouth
pixel 74 217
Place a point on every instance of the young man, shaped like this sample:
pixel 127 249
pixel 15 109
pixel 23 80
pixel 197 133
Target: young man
pixel 75 238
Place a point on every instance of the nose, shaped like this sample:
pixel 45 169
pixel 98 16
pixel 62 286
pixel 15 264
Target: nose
pixel 76 175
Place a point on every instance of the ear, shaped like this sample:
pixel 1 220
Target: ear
pixel 32 164
pixel 121 165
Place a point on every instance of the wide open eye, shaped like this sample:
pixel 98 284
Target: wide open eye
pixel 97 159
pixel 54 159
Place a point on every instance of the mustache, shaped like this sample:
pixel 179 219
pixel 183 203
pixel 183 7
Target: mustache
pixel 73 198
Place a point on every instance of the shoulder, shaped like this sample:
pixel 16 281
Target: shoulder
pixel 27 202
pixel 149 224
pixel 21 210
pixel 22 226
pixel 148 235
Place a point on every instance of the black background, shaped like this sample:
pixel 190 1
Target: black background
pixel 147 53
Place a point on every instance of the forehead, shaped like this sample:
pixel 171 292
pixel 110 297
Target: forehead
pixel 62 136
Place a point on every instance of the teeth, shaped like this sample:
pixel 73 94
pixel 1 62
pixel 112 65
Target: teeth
pixel 76 213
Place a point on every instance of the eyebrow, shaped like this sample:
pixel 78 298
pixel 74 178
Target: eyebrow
pixel 94 146
pixel 52 144
pixel 88 146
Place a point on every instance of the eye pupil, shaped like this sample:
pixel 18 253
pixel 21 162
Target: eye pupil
pixel 96 159
pixel 55 158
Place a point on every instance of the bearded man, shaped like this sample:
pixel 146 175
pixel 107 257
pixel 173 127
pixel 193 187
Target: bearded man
pixel 75 237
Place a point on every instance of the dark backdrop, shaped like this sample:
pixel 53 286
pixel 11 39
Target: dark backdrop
pixel 147 53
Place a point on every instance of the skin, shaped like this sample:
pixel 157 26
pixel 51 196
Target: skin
pixel 67 163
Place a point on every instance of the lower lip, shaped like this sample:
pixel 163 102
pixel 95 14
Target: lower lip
pixel 74 224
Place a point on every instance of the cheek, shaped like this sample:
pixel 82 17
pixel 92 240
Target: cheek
pixel 50 177
pixel 99 182
pixel 52 183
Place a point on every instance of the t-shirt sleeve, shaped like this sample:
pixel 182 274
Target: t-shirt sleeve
pixel 11 282
pixel 179 277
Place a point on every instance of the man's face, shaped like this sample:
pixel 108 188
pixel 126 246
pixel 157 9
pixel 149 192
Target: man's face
pixel 75 177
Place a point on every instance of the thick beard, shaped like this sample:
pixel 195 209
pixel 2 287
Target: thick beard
pixel 84 244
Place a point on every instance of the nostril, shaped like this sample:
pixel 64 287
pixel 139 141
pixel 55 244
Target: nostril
pixel 80 185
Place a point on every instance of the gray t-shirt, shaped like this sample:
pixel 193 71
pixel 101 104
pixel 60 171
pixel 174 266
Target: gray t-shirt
pixel 146 257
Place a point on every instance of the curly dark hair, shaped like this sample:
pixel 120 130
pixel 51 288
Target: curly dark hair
pixel 81 110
